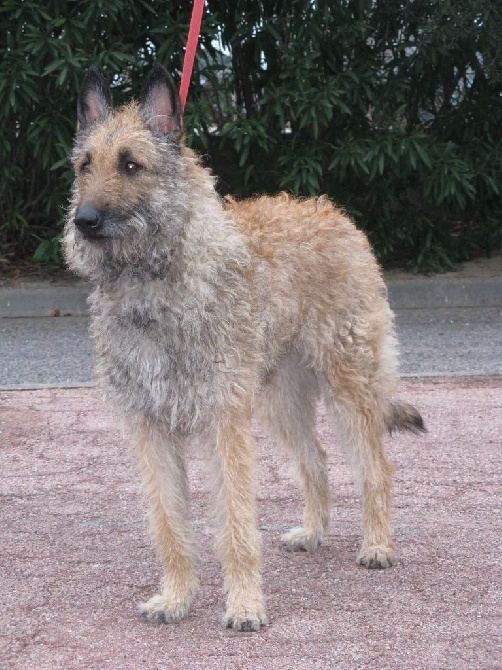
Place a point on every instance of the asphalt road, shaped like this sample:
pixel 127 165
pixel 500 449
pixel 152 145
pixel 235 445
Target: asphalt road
pixel 436 341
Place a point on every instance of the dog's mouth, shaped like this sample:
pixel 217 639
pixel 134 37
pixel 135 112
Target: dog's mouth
pixel 93 236
pixel 98 238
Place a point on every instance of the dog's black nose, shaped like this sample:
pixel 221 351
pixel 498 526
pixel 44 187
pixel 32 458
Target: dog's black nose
pixel 88 219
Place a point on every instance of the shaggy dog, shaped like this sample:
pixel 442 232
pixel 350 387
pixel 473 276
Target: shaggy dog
pixel 203 313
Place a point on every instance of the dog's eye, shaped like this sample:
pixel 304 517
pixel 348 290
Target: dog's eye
pixel 85 167
pixel 131 167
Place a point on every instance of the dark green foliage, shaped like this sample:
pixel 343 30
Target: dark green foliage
pixel 392 108
pixel 45 48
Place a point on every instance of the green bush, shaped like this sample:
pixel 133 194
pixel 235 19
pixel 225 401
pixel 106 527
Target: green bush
pixel 394 109
pixel 45 50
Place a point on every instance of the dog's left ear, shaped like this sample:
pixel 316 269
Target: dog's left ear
pixel 160 104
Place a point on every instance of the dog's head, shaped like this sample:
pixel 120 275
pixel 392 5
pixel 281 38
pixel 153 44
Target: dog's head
pixel 127 164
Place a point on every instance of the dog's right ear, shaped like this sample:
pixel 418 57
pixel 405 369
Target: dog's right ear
pixel 94 100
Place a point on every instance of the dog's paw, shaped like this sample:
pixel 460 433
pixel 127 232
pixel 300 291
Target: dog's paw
pixel 377 556
pixel 246 618
pixel 162 609
pixel 302 539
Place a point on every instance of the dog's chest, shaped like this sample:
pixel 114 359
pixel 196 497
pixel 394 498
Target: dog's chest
pixel 172 360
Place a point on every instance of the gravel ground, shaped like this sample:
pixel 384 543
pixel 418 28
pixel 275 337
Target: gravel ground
pixel 76 559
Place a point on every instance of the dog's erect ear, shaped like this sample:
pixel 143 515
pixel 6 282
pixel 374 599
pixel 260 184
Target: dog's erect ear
pixel 160 104
pixel 94 100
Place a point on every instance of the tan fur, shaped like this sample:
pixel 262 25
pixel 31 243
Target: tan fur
pixel 166 484
pixel 202 314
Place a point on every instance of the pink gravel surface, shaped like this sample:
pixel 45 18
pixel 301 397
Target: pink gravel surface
pixel 76 558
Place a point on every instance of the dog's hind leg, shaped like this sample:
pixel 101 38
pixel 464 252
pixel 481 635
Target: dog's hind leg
pixel 239 542
pixel 165 478
pixel 357 396
pixel 287 407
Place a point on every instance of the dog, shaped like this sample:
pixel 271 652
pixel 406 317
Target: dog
pixel 203 312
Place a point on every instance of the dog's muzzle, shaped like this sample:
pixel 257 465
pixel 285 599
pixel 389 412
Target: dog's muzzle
pixel 89 221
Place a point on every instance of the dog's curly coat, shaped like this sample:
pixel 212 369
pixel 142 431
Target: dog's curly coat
pixel 203 312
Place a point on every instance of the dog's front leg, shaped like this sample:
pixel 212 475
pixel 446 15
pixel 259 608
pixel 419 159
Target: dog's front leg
pixel 239 541
pixel 165 478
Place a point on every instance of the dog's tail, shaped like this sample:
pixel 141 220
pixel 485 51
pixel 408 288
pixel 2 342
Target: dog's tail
pixel 402 416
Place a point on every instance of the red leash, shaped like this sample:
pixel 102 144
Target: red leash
pixel 191 48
